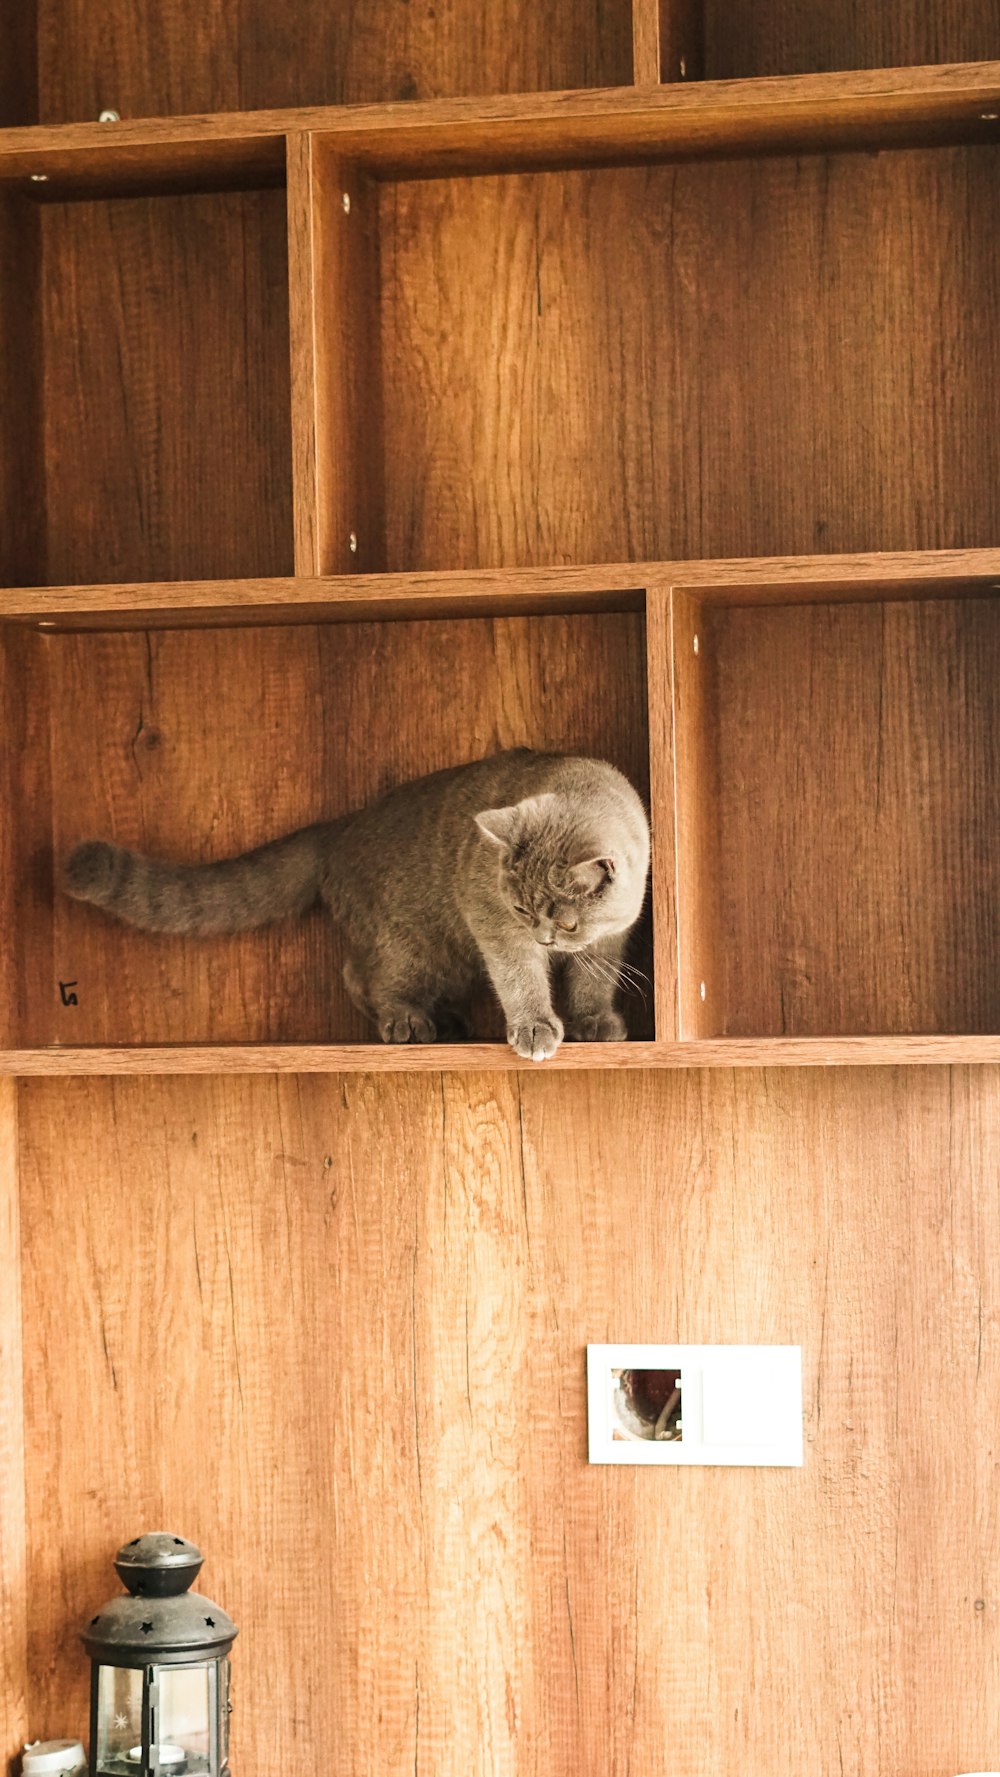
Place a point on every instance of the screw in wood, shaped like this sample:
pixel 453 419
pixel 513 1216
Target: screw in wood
pixel 701 990
pixel 989 116
pixel 352 542
pixel 694 644
pixel 683 67
pixel 39 178
pixel 346 201
pixel 109 116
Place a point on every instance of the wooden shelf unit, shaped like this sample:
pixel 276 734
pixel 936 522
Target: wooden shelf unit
pixel 303 496
pixel 719 293
pixel 785 718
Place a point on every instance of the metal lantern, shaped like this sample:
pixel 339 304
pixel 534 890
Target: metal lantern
pixel 159 1685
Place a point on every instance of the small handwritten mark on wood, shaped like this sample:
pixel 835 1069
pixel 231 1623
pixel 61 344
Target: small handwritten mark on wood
pixel 68 999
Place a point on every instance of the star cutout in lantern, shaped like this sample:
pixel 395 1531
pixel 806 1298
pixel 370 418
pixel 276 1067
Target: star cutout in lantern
pixel 121 1721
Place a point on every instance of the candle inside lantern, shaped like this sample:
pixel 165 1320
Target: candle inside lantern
pixel 171 1758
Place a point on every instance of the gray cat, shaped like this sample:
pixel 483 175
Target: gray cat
pixel 529 868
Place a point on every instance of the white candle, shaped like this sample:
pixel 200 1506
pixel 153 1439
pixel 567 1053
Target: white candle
pixel 172 1758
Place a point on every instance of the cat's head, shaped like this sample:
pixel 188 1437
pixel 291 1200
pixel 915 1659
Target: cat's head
pixel 563 883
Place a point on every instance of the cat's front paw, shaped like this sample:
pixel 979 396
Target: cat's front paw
pixel 597 1027
pixel 536 1041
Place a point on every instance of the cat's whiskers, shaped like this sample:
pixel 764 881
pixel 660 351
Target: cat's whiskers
pixel 622 975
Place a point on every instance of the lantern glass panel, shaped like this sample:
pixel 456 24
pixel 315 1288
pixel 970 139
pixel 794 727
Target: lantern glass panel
pixel 187 1710
pixel 119 1718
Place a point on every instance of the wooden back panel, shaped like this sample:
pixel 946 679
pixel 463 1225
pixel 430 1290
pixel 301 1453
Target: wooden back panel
pixel 695 360
pixel 22 466
pixel 167 404
pixel 199 744
pixel 334 1330
pixel 150 60
pixel 853 754
pixel 27 981
pixel 799 37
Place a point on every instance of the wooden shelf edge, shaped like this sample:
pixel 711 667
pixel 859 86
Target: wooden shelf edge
pixel 888 106
pixel 305 1058
pixel 592 586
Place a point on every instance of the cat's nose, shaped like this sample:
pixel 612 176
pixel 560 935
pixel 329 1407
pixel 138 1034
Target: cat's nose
pixel 548 942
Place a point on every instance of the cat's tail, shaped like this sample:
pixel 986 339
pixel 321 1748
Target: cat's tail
pixel 235 895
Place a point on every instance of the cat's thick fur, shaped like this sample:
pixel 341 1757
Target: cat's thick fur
pixel 527 867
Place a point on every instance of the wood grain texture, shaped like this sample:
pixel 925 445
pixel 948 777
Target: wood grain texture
pixel 25 833
pixel 22 469
pixel 15 1701
pixel 797 37
pixel 167 429
pixel 662 794
pixel 824 579
pixel 303 349
pixel 667 40
pixel 857 822
pixel 697 813
pixel 647 27
pixel 65 1061
pixel 150 61
pixel 18 66
pixel 337 418
pixel 350 402
pixel 648 383
pixel 351 1317
pixel 199 745
pixel 682 40
pixel 866 109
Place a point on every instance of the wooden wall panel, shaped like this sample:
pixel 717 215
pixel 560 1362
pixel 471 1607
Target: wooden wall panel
pixel 167 388
pixel 335 1331
pixel 18 66
pixel 15 1699
pixel 200 744
pixel 27 986
pixel 177 58
pixel 798 37
pixel 22 469
pixel 852 766
pixel 616 365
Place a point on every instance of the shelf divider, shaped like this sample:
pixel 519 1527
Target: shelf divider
pixel 662 766
pixel 701 986
pixel 667 41
pixel 336 374
pixel 302 342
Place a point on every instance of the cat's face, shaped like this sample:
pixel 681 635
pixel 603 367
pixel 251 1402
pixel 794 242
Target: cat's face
pixel 558 883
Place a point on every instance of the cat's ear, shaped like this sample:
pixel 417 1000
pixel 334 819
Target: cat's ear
pixel 500 825
pixel 504 826
pixel 591 874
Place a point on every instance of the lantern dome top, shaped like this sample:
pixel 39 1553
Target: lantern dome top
pixel 158 1565
pixel 158 1620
